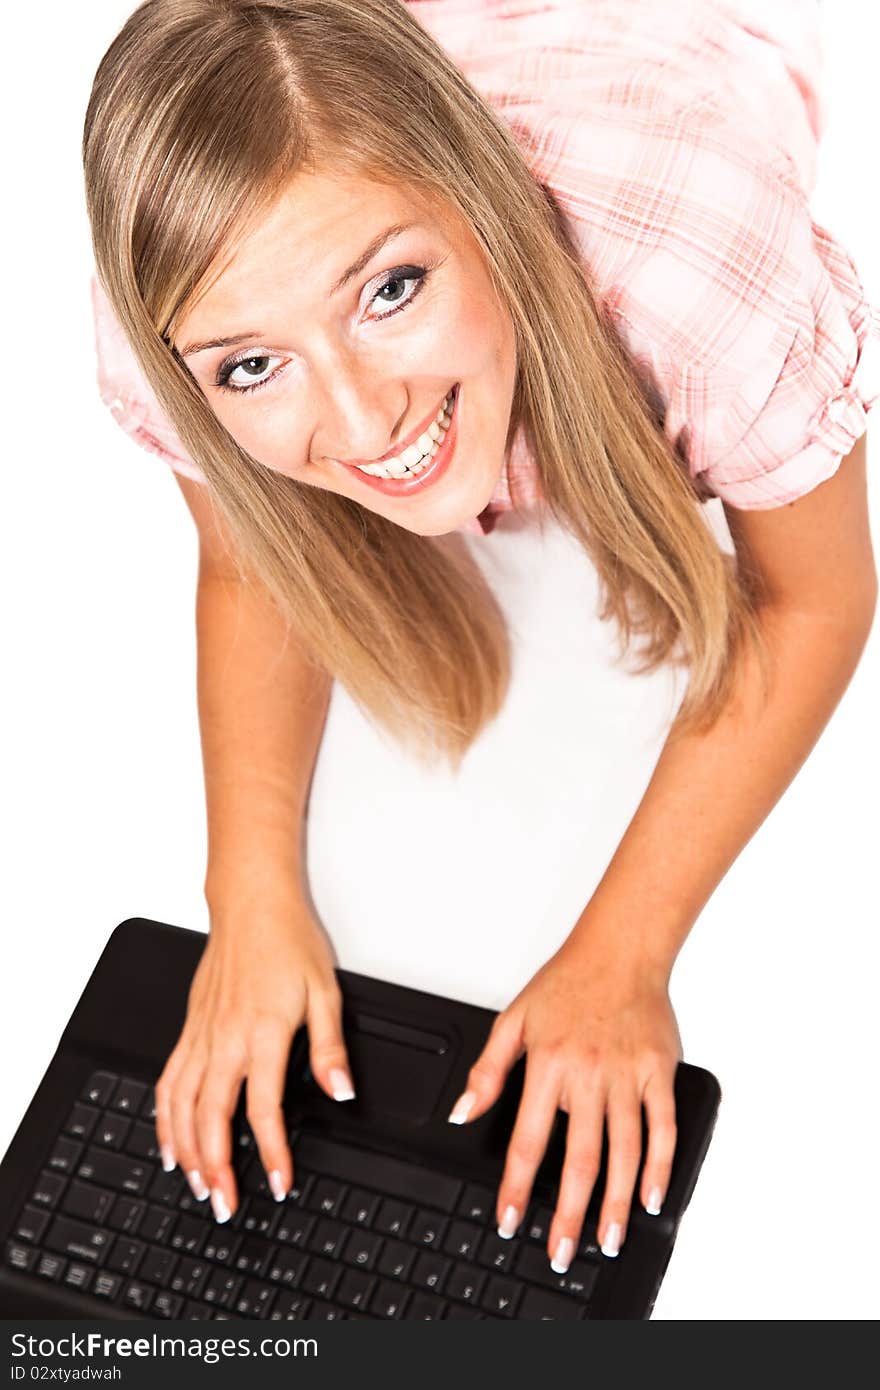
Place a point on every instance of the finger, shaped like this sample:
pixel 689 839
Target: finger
pixel 583 1157
pixel 328 1055
pixel 183 1127
pixel 213 1119
pixel 270 1051
pixel 659 1101
pixel 528 1140
pixel 162 1092
pixel 486 1077
pixel 624 1156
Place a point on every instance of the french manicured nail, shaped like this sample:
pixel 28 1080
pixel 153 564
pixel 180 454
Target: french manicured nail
pixel 169 1162
pixel 655 1202
pixel 218 1202
pixel 462 1108
pixel 276 1182
pixel 341 1083
pixel 611 1243
pixel 197 1183
pixel 509 1223
pixel 562 1259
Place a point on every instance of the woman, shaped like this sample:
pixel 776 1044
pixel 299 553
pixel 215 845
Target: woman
pixel 360 311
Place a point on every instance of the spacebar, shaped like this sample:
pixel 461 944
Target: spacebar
pixel 389 1175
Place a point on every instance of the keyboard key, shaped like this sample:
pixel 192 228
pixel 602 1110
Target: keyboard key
pixel 65 1155
pixel 78 1276
pixel 361 1249
pixel 532 1264
pixel 321 1277
pixel 221 1288
pixel 142 1141
pixel 501 1296
pixel 116 1171
pixel 127 1214
pixel 82 1120
pixel 427 1229
pixel 495 1252
pixel 456 1310
pixel 254 1300
pixel 50 1266
pixel 167 1187
pixel 389 1300
pixel 397 1259
pixel 327 1312
pixel 477 1203
pixel 189 1234
pixel 290 1307
pixel 543 1304
pixel 20 1256
pixel 157 1266
pixel 99 1088
pixel 254 1178
pixel 220 1247
pixel 368 1169
pixel 112 1131
pixel 129 1096
pixel 537 1224
pixel 48 1190
pixel 425 1308
pixel 360 1207
pixel 430 1270
pixel 156 1224
pixel 31 1224
pixel 253 1256
pixel 262 1217
pixel 462 1240
pixel 189 1277
pixel 88 1202
pixel 394 1217
pixel 137 1295
pixel 106 1285
pixel 126 1255
pixel 466 1282
pixel 327 1238
pixel 69 1237
pixel 355 1288
pixel 327 1196
pixel 148 1109
pixel 197 1312
pixel 295 1227
pixel 287 1265
pixel 167 1305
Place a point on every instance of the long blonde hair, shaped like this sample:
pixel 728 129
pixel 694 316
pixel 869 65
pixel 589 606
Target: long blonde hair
pixel 200 111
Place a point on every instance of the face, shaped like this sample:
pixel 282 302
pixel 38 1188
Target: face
pixel 381 367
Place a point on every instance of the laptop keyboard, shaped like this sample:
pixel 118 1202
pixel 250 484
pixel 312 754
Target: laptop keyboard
pixel 361 1235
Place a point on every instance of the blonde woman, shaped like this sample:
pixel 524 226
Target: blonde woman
pixel 370 275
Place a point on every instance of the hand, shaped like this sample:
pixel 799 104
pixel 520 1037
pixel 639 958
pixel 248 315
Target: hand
pixel 265 968
pixel 598 1038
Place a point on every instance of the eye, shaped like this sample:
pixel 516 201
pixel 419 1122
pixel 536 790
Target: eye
pixel 394 288
pixel 254 369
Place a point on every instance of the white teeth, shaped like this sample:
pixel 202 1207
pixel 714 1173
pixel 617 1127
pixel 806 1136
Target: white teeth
pixel 416 456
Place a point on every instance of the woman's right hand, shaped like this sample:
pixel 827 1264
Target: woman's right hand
pixel 266 968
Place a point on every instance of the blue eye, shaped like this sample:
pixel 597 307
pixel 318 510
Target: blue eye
pixel 394 285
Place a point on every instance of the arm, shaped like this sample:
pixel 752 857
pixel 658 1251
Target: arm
pixel 596 1019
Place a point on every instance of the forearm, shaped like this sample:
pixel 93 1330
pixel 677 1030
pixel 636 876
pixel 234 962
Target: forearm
pixel 261 714
pixel 710 792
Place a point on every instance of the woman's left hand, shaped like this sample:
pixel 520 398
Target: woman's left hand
pixel 599 1038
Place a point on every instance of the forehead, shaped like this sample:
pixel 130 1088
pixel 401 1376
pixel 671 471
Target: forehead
pixel 316 227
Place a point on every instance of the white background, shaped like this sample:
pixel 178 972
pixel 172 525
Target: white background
pixel 775 990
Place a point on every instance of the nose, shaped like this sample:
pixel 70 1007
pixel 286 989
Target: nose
pixel 359 418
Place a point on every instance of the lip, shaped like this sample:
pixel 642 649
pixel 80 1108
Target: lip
pixel 404 487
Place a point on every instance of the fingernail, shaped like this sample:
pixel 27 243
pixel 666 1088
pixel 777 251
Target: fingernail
pixel 276 1182
pixel 562 1259
pixel 169 1162
pixel 341 1083
pixel 197 1183
pixel 655 1202
pixel 509 1223
pixel 462 1108
pixel 218 1202
pixel 611 1243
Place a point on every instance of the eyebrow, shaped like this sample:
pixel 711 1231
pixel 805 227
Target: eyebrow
pixel 363 260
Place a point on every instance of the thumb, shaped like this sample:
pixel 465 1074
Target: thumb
pixel 488 1074
pixel 328 1056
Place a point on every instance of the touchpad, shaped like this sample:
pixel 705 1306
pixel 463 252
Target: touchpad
pixel 399 1069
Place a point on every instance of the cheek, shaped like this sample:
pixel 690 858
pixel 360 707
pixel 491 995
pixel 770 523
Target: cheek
pixel 265 434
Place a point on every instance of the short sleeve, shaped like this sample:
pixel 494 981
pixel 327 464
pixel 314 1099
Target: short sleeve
pixel 128 396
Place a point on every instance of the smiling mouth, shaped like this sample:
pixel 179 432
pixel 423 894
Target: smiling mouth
pixel 418 457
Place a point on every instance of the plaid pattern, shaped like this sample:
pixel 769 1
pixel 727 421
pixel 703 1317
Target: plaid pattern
pixel 679 140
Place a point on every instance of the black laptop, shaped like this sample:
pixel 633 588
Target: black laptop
pixel 393 1210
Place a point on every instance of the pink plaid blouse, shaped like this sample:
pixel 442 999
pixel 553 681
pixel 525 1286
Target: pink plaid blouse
pixel 679 140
